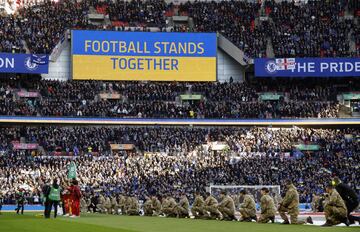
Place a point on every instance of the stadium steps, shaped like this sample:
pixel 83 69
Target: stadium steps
pixel 344 112
pixel 191 24
pixel 26 46
pixel 352 42
pixel 169 22
pixel 269 48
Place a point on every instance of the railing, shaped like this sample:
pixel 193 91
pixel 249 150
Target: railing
pixel 188 122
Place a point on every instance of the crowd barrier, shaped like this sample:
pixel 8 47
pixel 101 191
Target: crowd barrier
pixel 155 121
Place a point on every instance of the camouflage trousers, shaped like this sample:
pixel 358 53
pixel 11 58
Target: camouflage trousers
pixel 227 214
pixel 115 209
pixel 213 212
pixel 335 215
pixel 101 208
pixel 108 209
pixel 170 212
pixel 293 213
pixel 182 212
pixel 265 217
pixel 156 211
pixel 132 212
pixel 198 211
pixel 247 213
pixel 148 211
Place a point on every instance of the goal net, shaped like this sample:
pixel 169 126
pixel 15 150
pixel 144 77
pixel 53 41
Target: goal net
pixel 253 190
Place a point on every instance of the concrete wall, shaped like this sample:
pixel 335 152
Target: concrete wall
pixel 227 67
pixel 60 69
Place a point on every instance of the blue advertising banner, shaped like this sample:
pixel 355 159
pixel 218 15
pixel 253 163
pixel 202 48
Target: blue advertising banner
pixel 24 63
pixel 308 67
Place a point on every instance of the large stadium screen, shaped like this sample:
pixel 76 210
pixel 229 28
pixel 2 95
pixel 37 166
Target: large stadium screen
pixel 136 56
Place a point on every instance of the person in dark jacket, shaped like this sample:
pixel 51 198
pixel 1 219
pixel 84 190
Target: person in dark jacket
pixel 46 191
pixel 1 202
pixel 93 204
pixel 20 198
pixel 349 196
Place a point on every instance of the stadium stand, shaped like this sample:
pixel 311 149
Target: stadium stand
pixel 167 159
pixel 315 29
pixel 306 99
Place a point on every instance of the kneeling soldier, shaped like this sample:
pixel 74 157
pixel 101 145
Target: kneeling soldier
pixel 335 208
pixel 267 206
pixel 227 207
pixel 248 207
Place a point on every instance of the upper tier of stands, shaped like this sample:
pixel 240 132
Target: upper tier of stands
pixel 316 29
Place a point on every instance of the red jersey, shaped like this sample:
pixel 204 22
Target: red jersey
pixel 75 192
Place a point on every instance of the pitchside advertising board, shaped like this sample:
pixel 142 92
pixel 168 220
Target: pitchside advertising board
pixel 24 63
pixel 134 56
pixel 308 67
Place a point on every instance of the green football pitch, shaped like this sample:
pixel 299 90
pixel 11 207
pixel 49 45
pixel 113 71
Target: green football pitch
pixel 10 222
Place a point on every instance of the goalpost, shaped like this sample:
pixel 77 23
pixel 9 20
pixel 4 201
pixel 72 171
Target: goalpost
pixel 254 190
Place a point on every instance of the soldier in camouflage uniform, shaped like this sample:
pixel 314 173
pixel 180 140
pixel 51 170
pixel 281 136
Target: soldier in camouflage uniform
pixel 132 206
pixel 315 203
pixel 169 207
pixel 182 209
pixel 335 208
pixel 210 207
pixel 290 204
pixel 155 206
pixel 122 204
pixel 247 208
pixel 197 209
pixel 83 205
pixel 101 204
pixel 114 205
pixel 236 199
pixel 267 205
pixel 107 205
pixel 147 207
pixel 226 207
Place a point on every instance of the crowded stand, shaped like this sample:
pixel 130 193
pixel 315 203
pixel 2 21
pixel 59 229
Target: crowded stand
pixel 315 29
pixel 311 30
pixel 33 97
pixel 64 86
pixel 149 13
pixel 10 35
pixel 235 20
pixel 168 159
pixel 44 25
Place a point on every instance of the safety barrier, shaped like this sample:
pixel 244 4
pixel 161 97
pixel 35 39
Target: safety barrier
pixel 156 121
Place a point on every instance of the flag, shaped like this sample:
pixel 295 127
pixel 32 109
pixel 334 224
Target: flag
pixel 72 170
pixel 285 63
pixel 39 59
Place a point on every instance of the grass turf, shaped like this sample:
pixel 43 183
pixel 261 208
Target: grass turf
pixel 10 222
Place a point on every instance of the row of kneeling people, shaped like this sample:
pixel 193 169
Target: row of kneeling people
pixel 210 208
